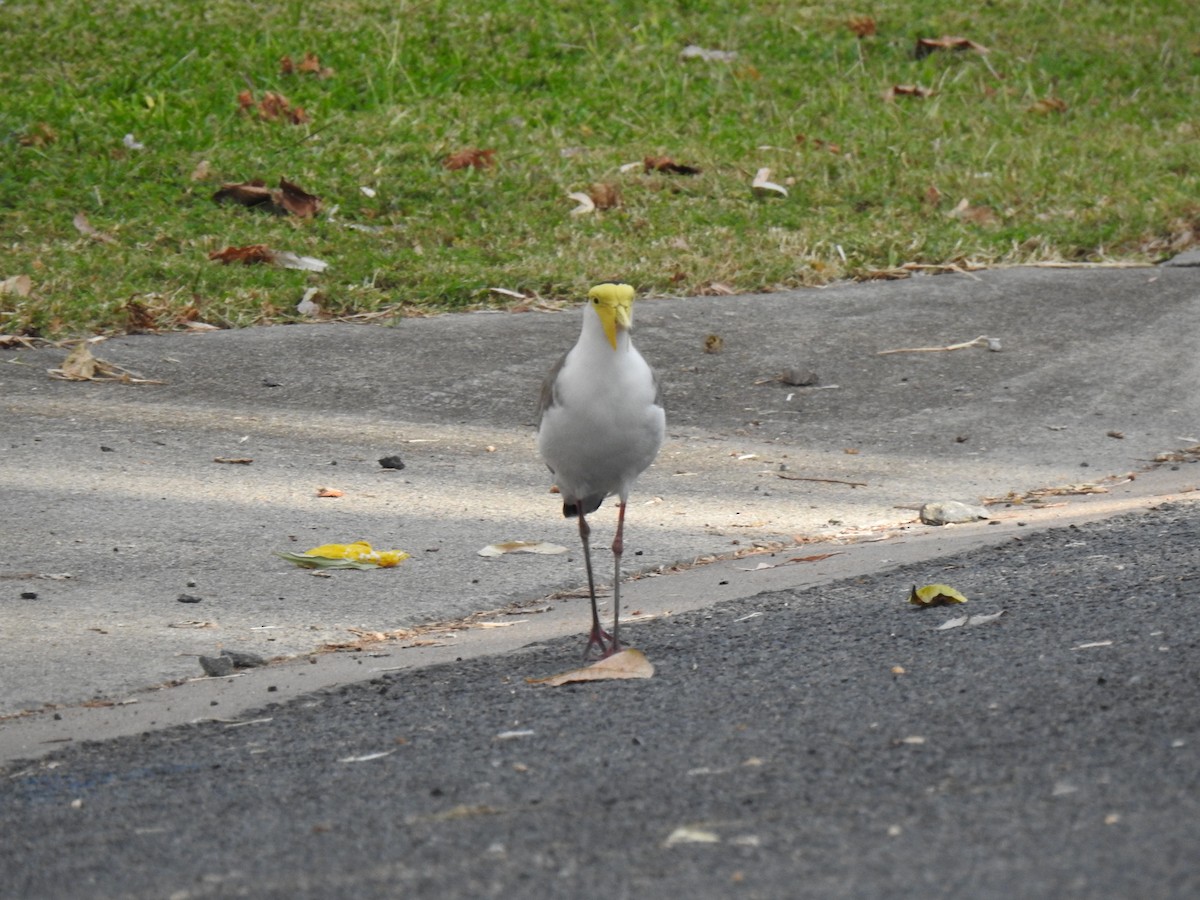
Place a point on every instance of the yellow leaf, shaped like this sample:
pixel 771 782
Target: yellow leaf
pixel 359 554
pixel 935 595
pixel 626 664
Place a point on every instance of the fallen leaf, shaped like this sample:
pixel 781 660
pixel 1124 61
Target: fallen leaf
pixel 245 193
pixel 862 26
pixel 604 195
pixel 714 343
pixel 84 227
pixel 906 90
pixel 272 107
pixel 499 549
pixel 296 200
pixel 249 255
pixel 693 51
pixel 763 186
pixel 667 165
pixel 81 365
pixel 470 158
pixel 625 664
pixel 288 198
pixel 366 757
pixel 978 215
pixel 234 460
pixel 20 285
pixel 962 621
pixel 935 595
pixel 330 492
pixel 286 259
pixel 40 135
pixel 308 305
pixel 586 204
pixel 358 555
pixel 686 834
pixel 1048 105
pixel 253 254
pixel 925 46
pixel 310 65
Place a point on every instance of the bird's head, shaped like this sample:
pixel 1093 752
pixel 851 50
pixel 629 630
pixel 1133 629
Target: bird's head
pixel 613 303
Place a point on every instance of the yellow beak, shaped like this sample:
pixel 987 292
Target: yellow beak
pixel 614 305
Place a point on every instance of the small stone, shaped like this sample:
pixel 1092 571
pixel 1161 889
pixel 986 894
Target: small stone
pixel 243 660
pixel 188 598
pixel 951 512
pixel 216 666
pixel 799 377
pixel 392 462
pixel 28 595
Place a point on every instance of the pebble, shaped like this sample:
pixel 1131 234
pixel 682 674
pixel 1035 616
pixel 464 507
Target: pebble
pixel 951 512
pixel 392 462
pixel 243 660
pixel 216 666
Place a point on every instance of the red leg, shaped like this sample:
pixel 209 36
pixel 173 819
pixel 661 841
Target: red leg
pixel 618 547
pixel 598 637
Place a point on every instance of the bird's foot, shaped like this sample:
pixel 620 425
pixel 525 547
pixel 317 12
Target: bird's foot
pixel 600 640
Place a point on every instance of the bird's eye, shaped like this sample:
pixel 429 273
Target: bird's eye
pixel 596 300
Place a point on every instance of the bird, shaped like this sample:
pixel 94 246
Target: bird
pixel 600 424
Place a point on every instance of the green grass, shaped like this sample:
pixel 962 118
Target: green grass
pixel 566 93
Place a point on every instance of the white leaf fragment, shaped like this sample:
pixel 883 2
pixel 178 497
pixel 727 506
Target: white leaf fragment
pixel 962 621
pixel 685 834
pixel 502 547
pixel 289 260
pixel 586 204
pixel 763 185
pixel 693 51
pixel 367 757
pixel 1091 644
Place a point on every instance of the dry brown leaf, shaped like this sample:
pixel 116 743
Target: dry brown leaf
pixel 714 343
pixel 288 198
pixel 604 195
pixel 84 227
pixel 330 492
pixel 818 144
pixel 925 46
pixel 470 158
pixel 906 90
pixel 246 193
pixel 39 135
pixel 667 165
pixel 976 215
pixel 862 26
pixel 20 285
pixel 249 255
pixel 234 460
pixel 296 200
pixel 272 107
pixel 310 65
pixel 1048 105
pixel 626 664
pixel 81 365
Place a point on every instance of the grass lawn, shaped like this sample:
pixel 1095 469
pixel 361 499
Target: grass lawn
pixel 443 140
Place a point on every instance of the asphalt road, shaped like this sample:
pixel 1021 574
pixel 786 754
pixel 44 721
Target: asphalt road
pixel 119 486
pixel 829 742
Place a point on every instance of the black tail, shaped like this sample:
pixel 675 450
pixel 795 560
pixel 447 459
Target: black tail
pixel 590 505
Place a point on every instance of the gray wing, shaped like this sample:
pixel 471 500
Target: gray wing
pixel 549 396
